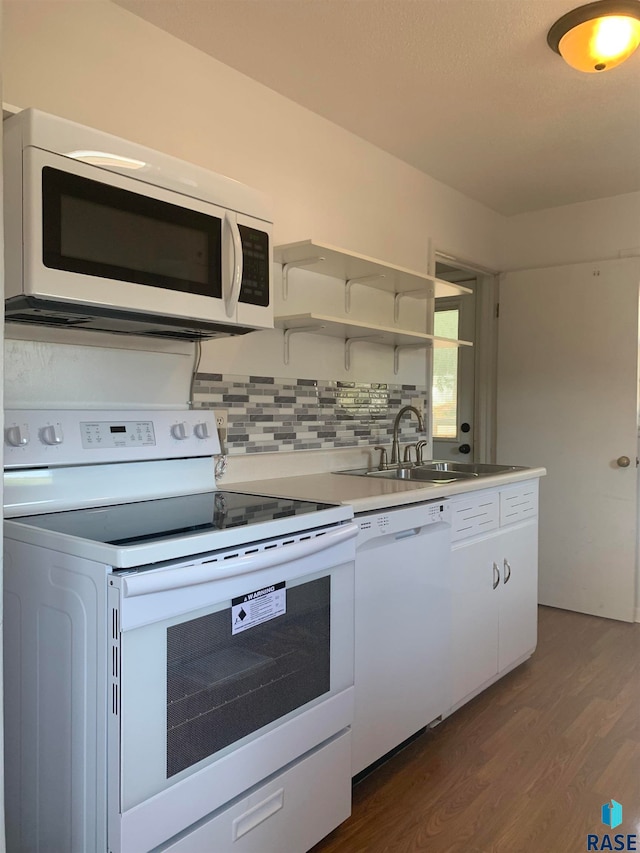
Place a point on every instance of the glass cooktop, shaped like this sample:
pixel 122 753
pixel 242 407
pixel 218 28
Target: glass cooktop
pixel 148 521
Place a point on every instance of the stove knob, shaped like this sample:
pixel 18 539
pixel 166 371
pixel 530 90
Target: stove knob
pixel 17 436
pixel 202 430
pixel 181 431
pixel 51 434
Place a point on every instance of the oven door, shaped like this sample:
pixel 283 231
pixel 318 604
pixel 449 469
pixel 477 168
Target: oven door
pixel 229 668
pixel 97 238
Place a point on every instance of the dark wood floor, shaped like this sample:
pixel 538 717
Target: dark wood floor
pixel 524 767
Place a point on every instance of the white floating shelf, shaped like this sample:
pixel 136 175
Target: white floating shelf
pixel 352 331
pixel 359 269
pixel 336 327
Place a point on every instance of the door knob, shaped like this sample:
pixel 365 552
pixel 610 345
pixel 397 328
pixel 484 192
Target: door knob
pixel 623 461
pixel 465 448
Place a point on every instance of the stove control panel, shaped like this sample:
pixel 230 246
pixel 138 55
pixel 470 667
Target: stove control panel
pixel 38 438
pixel 98 434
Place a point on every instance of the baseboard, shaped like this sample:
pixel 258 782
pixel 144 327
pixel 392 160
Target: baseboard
pixel 637 619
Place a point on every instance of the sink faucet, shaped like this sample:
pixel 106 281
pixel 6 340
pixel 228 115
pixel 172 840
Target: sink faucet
pixel 395 447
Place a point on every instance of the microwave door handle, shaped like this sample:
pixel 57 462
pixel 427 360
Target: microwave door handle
pixel 232 288
pixel 162 580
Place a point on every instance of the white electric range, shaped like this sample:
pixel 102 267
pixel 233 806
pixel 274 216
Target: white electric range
pixel 178 659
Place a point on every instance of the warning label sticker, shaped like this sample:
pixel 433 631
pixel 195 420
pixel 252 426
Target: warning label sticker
pixel 257 607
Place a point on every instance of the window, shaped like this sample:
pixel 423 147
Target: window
pixel 445 376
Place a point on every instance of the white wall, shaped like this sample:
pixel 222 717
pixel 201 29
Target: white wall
pixel 98 64
pixel 604 229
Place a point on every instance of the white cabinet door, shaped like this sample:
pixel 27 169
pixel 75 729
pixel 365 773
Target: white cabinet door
pixel 475 615
pixel 494 585
pixel 567 399
pixel 518 622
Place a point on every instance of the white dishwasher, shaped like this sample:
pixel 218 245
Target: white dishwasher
pixel 402 626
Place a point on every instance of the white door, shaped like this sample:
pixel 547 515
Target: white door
pixel 567 400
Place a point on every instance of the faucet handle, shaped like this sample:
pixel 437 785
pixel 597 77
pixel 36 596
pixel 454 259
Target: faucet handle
pixel 407 452
pixel 383 457
pixel 419 448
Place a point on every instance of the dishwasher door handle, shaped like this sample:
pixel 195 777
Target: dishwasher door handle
pixel 407 534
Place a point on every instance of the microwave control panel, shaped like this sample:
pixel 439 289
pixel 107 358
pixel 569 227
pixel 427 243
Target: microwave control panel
pixel 255 266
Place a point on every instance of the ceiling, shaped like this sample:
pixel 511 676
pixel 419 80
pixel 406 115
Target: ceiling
pixel 465 90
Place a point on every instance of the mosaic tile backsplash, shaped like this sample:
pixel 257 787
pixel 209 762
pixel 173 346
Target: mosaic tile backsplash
pixel 268 414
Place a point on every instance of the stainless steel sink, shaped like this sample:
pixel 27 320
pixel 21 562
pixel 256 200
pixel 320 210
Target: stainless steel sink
pixel 435 472
pixel 411 472
pixel 478 468
pixel 421 473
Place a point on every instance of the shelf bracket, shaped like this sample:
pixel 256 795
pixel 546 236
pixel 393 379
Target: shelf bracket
pixel 363 279
pixel 396 354
pixel 304 262
pixel 349 342
pixel 428 292
pixel 296 331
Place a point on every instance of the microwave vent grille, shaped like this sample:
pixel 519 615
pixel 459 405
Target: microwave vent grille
pixel 187 334
pixel 34 311
pixel 49 319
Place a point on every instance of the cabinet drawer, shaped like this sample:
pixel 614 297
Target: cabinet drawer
pixel 518 503
pixel 474 514
pixel 288 814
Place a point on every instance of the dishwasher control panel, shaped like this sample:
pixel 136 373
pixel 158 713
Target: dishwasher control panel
pixel 401 520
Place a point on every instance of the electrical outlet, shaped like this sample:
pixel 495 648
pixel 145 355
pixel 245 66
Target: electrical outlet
pixel 221 422
pixel 419 403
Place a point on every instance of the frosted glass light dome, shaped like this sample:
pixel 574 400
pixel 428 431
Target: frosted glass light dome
pixel 598 36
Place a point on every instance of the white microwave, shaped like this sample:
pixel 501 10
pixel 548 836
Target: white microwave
pixel 105 234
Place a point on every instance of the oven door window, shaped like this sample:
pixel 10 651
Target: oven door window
pixel 101 230
pixel 193 691
pixel 223 687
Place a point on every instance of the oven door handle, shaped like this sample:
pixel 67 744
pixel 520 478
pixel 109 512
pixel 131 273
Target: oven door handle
pixel 165 579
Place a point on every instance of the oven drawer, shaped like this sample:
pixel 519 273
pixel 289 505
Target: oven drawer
pixel 288 814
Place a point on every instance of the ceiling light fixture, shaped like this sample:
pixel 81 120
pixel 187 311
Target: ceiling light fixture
pixel 598 36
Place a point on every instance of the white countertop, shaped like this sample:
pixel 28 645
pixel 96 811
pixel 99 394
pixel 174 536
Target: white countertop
pixel 371 493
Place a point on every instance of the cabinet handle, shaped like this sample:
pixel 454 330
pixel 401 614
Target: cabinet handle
pixel 496 575
pixel 507 571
